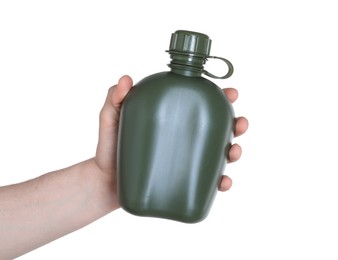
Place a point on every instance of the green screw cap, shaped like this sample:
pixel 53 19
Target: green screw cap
pixel 190 42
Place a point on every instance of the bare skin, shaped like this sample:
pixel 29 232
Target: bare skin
pixel 38 211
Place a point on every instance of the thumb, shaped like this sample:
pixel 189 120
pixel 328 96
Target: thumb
pixel 110 110
pixel 121 89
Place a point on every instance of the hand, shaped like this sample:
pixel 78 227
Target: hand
pixel 109 123
pixel 235 151
pixel 106 151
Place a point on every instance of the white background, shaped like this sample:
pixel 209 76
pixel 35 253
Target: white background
pixel 58 58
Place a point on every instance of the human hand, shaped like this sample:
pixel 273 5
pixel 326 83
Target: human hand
pixel 109 123
pixel 106 152
pixel 235 152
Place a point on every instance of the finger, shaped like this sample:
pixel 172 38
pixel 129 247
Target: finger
pixel 120 90
pixel 235 153
pixel 115 96
pixel 231 93
pixel 225 184
pixel 241 126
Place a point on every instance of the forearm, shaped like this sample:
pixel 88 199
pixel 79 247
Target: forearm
pixel 41 210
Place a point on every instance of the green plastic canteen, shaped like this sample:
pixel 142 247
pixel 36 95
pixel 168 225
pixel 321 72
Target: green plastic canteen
pixel 175 133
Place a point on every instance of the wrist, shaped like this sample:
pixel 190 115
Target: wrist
pixel 103 187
